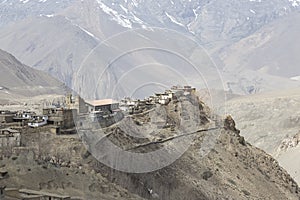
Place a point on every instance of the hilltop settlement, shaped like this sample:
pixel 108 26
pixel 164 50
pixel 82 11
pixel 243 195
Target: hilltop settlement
pixel 50 153
pixel 64 118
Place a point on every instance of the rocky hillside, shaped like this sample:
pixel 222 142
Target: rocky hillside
pixel 218 163
pixel 271 122
pixel 17 80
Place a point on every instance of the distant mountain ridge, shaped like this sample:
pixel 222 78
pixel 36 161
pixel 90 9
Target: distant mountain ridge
pixel 56 36
pixel 226 19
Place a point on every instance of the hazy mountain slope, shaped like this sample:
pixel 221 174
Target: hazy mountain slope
pixel 72 55
pixel 54 45
pixel 13 11
pixel 56 36
pixel 271 50
pixel 269 121
pixel 160 57
pixel 18 79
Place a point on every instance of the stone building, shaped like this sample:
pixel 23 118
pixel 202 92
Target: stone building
pixel 104 112
pixel 104 105
pixel 163 98
pixel 76 102
pixel 127 104
pixel 60 117
pixel 7 116
pixel 10 138
pixel 185 90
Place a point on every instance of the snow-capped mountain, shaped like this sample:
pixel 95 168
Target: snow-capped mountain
pixel 208 20
pixel 56 36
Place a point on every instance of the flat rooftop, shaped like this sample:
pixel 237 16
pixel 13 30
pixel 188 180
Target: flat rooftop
pixel 102 102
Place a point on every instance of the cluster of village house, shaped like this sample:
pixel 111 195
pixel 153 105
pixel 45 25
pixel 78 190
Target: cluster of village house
pixel 61 120
pixel 131 106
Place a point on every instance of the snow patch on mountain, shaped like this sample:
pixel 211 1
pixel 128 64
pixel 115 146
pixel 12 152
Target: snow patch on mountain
pixel 124 16
pixel 87 32
pixel 195 13
pixel 49 16
pixel 138 20
pixel 295 3
pixel 24 1
pixel 120 19
pixel 135 3
pixel 82 29
pixel 123 8
pixel 173 19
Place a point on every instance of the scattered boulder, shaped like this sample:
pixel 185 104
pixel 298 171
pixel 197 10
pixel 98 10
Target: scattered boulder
pixel 207 175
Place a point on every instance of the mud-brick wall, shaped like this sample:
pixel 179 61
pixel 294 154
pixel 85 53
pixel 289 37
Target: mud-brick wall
pixel 13 140
pixel 68 118
pixel 6 118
